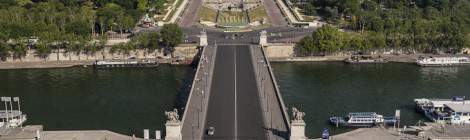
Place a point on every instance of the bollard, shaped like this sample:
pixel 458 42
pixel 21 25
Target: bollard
pixel 146 134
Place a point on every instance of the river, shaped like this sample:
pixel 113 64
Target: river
pixel 121 100
pixel 130 100
pixel 324 89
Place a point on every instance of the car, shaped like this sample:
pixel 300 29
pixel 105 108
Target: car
pixel 210 131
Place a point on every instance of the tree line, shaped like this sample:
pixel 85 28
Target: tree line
pixel 73 25
pixel 165 40
pixel 420 25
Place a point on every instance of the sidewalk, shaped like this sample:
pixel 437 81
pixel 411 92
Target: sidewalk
pixel 272 106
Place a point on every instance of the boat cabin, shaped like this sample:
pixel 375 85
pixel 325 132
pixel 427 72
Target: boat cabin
pixel 459 113
pixel 364 118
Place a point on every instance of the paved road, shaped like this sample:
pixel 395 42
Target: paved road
pixel 234 107
pixel 275 35
pixel 274 13
pixel 190 13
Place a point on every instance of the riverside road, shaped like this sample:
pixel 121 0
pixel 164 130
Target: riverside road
pixel 234 107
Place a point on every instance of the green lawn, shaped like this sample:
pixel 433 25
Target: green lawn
pixel 207 14
pixel 257 14
pixel 231 18
pixel 164 12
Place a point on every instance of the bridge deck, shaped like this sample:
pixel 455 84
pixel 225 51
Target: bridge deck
pixel 234 108
pixel 241 101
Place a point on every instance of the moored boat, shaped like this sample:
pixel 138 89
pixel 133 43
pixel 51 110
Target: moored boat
pixel 449 111
pixel 125 64
pixel 358 119
pixel 365 60
pixel 443 61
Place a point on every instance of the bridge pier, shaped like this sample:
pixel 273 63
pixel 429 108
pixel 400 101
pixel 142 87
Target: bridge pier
pixel 203 39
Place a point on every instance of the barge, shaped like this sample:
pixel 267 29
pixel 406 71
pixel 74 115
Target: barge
pixel 445 111
pixel 443 61
pixel 125 64
pixel 365 60
pixel 358 119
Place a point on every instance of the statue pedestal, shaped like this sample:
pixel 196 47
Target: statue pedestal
pixel 263 38
pixel 173 131
pixel 203 39
pixel 297 130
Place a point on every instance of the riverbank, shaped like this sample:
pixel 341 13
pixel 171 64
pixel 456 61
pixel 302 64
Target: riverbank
pixel 403 58
pixel 49 64
pixel 183 53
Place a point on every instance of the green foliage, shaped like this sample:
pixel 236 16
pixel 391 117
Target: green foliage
pixel 148 41
pixel 4 51
pixel 20 49
pixel 326 39
pixel 171 35
pixel 43 50
pixel 400 24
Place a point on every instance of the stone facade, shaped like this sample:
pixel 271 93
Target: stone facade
pixel 187 51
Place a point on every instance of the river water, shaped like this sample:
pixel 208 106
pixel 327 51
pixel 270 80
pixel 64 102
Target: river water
pixel 130 100
pixel 121 100
pixel 324 89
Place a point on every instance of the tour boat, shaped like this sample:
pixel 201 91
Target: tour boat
pixel 449 111
pixel 443 61
pixel 358 119
pixel 125 64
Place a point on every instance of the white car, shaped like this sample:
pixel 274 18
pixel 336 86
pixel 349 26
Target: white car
pixel 210 131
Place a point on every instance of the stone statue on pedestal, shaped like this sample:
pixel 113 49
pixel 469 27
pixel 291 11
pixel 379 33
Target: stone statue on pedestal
pixel 172 116
pixel 298 116
pixel 173 125
pixel 297 125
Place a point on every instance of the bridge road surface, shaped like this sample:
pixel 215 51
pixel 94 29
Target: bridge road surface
pixel 234 106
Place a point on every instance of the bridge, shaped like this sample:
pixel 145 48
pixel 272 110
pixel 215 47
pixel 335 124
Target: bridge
pixel 235 92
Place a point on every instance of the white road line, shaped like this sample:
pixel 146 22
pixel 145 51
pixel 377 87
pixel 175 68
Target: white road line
pixel 235 63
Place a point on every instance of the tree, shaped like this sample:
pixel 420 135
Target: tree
pixel 376 40
pixel 142 5
pixel 305 46
pixel 43 50
pixel 4 51
pixel 172 35
pixel 327 39
pixel 19 50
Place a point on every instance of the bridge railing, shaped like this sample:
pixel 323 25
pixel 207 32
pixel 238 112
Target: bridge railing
pixel 276 89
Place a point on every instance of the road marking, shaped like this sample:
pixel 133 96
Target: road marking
pixel 235 63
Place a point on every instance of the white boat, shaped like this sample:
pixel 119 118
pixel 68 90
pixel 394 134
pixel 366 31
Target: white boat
pixel 125 64
pixel 12 118
pixel 358 119
pixel 448 111
pixel 443 61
